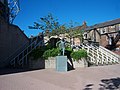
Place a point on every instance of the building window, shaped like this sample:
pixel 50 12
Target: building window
pixel 119 27
pixel 112 28
pixel 103 30
pixel 106 30
pixel 98 29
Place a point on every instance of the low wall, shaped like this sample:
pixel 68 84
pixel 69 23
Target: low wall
pixel 80 63
pixel 51 63
pixel 36 64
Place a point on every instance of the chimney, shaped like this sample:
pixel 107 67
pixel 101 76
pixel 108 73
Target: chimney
pixel 84 24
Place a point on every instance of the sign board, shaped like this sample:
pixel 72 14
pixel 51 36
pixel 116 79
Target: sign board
pixel 61 63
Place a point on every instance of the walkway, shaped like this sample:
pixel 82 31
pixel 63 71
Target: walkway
pixel 93 78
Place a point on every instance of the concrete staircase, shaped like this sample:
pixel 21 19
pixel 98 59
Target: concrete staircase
pixel 12 41
pixel 98 55
pixel 7 60
pixel 21 59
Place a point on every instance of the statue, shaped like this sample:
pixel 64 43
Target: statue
pixel 61 46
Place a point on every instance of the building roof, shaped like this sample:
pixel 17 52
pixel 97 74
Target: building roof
pixel 104 24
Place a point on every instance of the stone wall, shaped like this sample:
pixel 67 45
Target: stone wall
pixel 36 64
pixel 51 63
pixel 42 64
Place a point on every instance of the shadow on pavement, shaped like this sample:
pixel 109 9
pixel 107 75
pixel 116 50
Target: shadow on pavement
pixel 110 84
pixel 70 65
pixel 10 70
pixel 5 71
pixel 88 87
pixel 106 84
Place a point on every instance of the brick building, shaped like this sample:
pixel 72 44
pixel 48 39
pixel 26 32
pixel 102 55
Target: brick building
pixel 75 39
pixel 101 33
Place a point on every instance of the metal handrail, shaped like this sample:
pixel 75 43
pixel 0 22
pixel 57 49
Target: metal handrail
pixel 26 48
pixel 35 43
pixel 30 51
pixel 17 51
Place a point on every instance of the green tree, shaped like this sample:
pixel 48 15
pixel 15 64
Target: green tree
pixel 47 23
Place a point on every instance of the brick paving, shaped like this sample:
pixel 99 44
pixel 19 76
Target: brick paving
pixel 92 78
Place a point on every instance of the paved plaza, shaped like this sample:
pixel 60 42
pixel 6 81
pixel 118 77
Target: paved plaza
pixel 92 78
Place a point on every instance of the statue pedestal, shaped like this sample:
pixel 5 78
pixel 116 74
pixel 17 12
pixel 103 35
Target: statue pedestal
pixel 61 63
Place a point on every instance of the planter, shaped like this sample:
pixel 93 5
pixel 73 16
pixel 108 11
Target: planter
pixel 50 63
pixel 80 63
pixel 81 57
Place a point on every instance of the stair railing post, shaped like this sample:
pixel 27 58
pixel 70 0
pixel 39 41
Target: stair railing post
pixel 107 58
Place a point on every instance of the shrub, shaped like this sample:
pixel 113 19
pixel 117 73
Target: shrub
pixel 83 53
pixel 46 54
pixel 48 46
pixel 54 52
pixel 51 53
pixel 37 53
pixel 68 49
pixel 77 55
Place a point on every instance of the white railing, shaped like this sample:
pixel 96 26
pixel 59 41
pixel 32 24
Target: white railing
pixel 99 55
pixel 110 56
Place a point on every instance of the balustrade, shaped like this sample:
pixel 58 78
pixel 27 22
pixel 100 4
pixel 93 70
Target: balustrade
pixel 99 55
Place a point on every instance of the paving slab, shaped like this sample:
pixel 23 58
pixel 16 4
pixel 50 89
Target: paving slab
pixel 92 78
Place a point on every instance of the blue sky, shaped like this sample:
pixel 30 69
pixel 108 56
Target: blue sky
pixel 91 11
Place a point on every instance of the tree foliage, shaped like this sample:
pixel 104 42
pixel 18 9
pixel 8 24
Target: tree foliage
pixel 47 23
pixel 51 53
pixel 50 25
